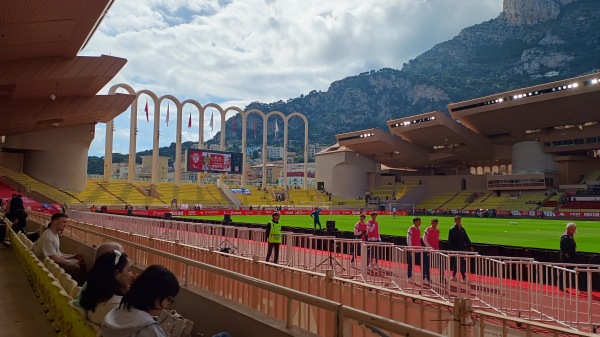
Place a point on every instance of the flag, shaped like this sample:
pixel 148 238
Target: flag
pixel 255 128
pixel 276 128
pixel 233 125
pixel 190 121
pixel 168 106
pixel 212 121
pixel 146 109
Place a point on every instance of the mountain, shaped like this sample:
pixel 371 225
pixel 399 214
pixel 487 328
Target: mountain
pixel 529 39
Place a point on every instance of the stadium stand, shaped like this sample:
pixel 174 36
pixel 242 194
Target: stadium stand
pixel 21 181
pixel 131 194
pixel 459 201
pixel 192 194
pixel 436 202
pixel 524 202
pixel 487 201
pixel 95 193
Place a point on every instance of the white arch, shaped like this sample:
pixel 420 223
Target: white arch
pixel 285 134
pixel 179 107
pixel 201 109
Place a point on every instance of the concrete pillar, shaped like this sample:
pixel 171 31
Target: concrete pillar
pixel 108 150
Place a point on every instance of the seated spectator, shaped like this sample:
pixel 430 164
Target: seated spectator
pixel 48 245
pixel 102 249
pixel 108 280
pixel 153 290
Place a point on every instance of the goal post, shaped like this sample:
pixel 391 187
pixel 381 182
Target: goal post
pixel 324 205
pixel 401 208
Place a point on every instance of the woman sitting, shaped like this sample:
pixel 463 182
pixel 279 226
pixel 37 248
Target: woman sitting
pixel 108 281
pixel 152 291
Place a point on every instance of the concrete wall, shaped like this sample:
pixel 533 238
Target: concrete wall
pixel 436 185
pixel 12 161
pixel 572 168
pixel 57 156
pixel 529 156
pixel 346 174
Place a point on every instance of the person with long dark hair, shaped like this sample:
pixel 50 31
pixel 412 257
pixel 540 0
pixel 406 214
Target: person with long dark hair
pixel 153 290
pixel 109 279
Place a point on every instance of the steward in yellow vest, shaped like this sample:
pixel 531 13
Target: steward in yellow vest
pixel 274 238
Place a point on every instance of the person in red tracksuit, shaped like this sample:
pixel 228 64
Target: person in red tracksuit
pixel 413 239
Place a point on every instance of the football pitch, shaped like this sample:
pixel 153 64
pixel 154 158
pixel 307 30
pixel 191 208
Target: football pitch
pixel 532 233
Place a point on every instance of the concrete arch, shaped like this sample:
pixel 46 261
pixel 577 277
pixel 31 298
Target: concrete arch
pixel 178 123
pixel 286 134
pixel 265 145
pixel 200 133
pixel 155 140
pixel 108 144
pixel 244 143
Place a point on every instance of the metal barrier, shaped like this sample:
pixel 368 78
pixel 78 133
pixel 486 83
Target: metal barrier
pixel 313 313
pixel 518 287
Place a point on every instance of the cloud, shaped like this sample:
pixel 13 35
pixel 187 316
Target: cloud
pixel 256 50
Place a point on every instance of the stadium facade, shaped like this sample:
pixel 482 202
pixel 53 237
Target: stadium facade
pixel 534 138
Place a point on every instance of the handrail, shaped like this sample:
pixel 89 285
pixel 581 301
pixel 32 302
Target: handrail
pixel 339 310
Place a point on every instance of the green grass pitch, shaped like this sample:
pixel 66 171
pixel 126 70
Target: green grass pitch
pixel 532 233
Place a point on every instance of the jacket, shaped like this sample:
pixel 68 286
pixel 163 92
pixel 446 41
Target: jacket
pixel 120 322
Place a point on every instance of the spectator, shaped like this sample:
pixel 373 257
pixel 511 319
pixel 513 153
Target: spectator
pixel 109 279
pixel 102 249
pixel 15 204
pixel 458 240
pixel 413 239
pixel 273 237
pixel 48 245
pixel 152 291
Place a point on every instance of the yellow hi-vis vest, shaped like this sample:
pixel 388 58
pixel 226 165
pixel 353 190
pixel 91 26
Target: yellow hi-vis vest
pixel 275 233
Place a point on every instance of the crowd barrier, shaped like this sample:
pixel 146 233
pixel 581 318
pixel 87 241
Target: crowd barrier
pixel 317 314
pixel 517 287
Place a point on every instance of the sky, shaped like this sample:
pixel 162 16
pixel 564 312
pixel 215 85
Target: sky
pixel 236 52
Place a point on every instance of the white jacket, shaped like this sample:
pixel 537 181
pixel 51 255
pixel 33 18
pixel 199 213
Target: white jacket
pixel 120 322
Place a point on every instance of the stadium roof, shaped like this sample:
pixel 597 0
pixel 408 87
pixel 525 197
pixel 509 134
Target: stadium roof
pixel 563 115
pixel 43 83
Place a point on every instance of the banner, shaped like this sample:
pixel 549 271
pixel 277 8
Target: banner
pixel 214 161
pixel 241 191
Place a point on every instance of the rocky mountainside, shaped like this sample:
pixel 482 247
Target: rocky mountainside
pixel 530 42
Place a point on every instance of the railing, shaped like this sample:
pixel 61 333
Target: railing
pixel 509 286
pixel 316 314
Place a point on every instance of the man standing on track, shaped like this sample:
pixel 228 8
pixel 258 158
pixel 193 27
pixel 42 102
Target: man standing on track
pixel 413 239
pixel 568 253
pixel 458 240
pixel 360 233
pixel 274 238
pixel 373 236
pixel 431 239
pixel 315 216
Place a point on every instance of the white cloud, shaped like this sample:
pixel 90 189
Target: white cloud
pixel 266 50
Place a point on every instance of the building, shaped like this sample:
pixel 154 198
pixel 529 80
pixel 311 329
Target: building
pixel 145 172
pixel 275 152
pixel 544 136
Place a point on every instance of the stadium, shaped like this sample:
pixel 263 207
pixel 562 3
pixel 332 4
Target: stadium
pixel 514 157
